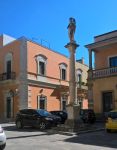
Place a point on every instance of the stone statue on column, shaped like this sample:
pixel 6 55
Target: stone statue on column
pixel 72 108
pixel 71 29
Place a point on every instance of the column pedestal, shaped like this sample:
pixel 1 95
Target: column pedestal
pixel 73 122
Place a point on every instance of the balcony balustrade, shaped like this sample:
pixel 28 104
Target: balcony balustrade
pixel 105 72
pixel 7 76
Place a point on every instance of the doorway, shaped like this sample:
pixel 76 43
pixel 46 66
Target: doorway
pixel 8 107
pixel 107 101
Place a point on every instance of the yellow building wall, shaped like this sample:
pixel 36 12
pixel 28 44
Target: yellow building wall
pixel 104 85
pixel 102 57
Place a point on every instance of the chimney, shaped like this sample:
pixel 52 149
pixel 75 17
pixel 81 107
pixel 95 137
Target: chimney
pixel 82 60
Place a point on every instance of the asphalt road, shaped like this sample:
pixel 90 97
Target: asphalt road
pixel 33 139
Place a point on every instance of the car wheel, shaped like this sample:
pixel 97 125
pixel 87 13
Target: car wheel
pixel 42 125
pixel 19 124
pixel 2 147
pixel 108 130
pixel 92 121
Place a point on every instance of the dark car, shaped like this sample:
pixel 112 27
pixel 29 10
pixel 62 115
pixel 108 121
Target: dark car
pixel 61 114
pixel 87 115
pixel 36 118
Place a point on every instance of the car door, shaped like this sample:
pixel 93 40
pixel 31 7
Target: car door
pixel 34 117
pixel 26 117
pixel 114 120
pixel 31 117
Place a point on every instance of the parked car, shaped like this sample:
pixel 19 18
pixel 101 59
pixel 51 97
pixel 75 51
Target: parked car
pixel 36 118
pixel 62 114
pixel 111 121
pixel 87 115
pixel 2 138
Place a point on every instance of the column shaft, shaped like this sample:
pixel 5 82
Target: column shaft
pixel 90 59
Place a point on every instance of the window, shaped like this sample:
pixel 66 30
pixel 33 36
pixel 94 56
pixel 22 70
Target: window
pixel 79 75
pixel 8 71
pixel 64 100
pixel 41 64
pixel 63 77
pixel 63 71
pixel 41 102
pixel 79 78
pixel 63 105
pixel 113 61
pixel 41 68
pixel 8 65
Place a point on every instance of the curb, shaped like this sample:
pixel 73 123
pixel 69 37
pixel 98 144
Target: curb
pixel 88 131
pixel 76 133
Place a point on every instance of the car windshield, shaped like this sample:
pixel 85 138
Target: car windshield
pixel 113 115
pixel 85 111
pixel 43 112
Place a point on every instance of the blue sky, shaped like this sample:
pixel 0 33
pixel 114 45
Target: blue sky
pixel 46 21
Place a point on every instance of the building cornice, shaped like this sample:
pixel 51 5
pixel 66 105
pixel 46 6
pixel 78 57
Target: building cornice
pixel 102 43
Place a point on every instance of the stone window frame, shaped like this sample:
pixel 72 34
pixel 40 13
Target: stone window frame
pixel 64 97
pixel 79 72
pixel 38 101
pixel 41 58
pixel 111 56
pixel 63 66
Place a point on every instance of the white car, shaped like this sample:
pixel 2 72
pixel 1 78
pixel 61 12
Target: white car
pixel 2 139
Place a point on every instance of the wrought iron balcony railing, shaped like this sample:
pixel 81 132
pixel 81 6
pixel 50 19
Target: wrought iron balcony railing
pixel 105 72
pixel 7 76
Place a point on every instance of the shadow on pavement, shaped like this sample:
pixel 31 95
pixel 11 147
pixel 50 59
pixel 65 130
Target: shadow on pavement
pixel 25 129
pixel 28 130
pixel 105 139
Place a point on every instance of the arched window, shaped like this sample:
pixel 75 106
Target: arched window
pixel 41 64
pixel 79 75
pixel 63 71
pixel 8 65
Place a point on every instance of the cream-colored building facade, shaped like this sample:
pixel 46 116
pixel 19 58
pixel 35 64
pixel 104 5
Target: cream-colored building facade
pixel 81 82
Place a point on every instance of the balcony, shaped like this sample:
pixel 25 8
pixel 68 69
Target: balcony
pixel 7 76
pixel 101 73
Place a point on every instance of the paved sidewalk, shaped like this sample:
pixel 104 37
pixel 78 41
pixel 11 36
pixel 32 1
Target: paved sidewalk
pixel 98 126
pixel 85 128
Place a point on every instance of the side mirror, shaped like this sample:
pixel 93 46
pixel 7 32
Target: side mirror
pixel 35 115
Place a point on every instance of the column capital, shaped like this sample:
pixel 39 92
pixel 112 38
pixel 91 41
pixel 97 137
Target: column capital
pixel 72 46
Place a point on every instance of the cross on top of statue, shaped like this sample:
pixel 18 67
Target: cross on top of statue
pixel 71 29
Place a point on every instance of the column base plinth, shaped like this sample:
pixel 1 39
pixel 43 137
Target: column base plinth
pixel 73 123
